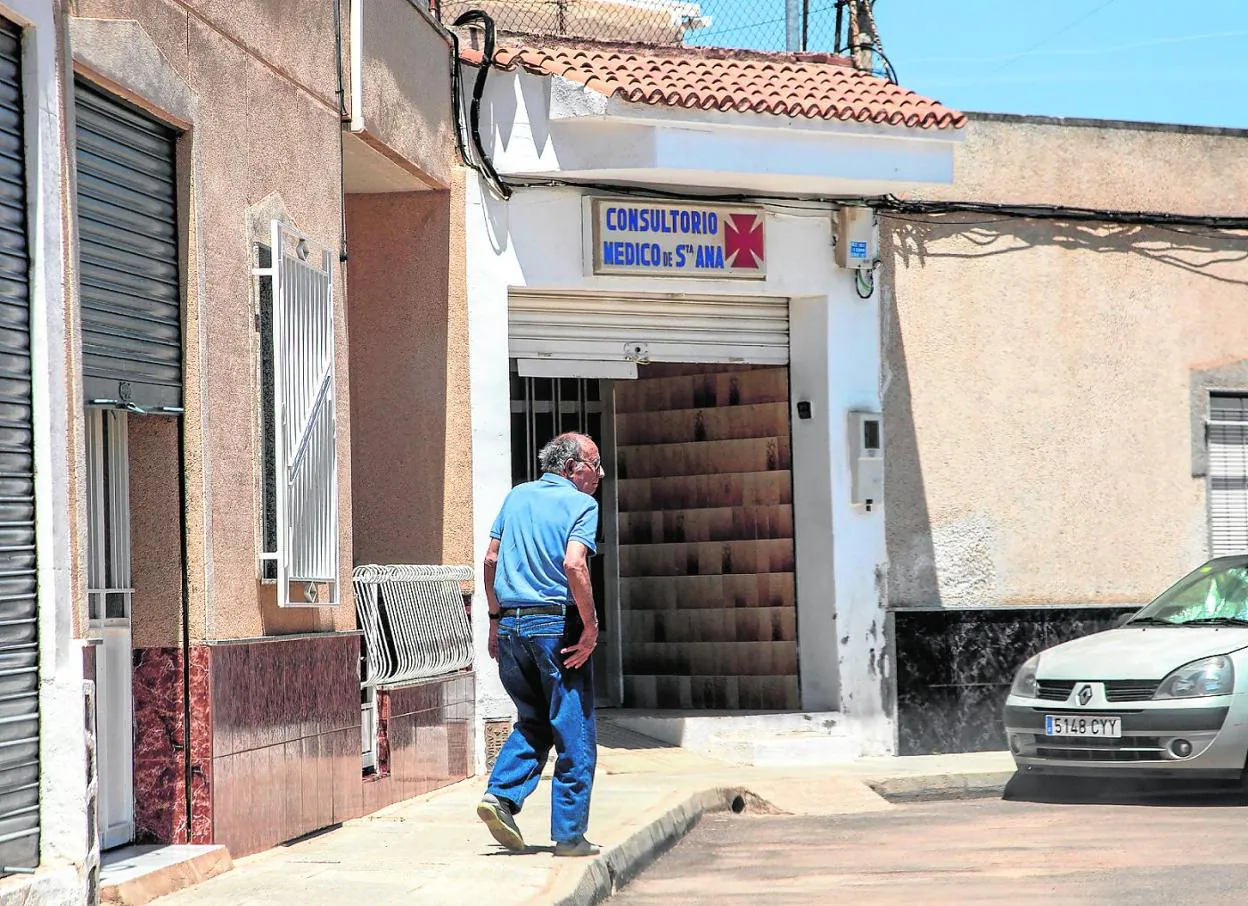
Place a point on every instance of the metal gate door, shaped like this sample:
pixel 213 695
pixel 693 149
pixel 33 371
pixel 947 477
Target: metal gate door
pixel 108 612
pixel 542 408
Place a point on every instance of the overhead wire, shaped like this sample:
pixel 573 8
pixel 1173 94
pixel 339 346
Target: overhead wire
pixel 1204 226
pixel 1057 34
pixel 878 42
pixel 925 211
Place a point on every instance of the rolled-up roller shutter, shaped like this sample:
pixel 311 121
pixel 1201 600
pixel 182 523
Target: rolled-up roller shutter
pixel 648 328
pixel 128 254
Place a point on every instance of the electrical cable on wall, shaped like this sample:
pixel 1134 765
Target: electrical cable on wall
pixel 344 120
pixel 478 91
pixel 471 160
pixel 1058 212
pixel 457 105
pixel 925 209
pixel 864 283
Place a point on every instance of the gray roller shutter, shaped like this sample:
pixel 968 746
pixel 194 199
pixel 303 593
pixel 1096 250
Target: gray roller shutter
pixel 19 648
pixel 128 254
pixel 647 328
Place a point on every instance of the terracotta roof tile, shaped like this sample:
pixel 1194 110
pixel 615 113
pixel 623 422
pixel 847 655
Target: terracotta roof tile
pixel 809 85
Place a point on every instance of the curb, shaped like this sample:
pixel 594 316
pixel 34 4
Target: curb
pixel 584 885
pixel 933 787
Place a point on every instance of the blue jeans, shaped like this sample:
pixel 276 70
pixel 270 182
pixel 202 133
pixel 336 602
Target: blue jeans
pixel 555 706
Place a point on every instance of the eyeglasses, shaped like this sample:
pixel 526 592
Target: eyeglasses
pixel 594 464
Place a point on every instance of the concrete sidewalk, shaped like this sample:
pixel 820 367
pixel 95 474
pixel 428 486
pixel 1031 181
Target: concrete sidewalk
pixel 434 850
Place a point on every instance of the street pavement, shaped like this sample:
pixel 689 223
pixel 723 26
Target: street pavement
pixel 1133 850
pixel 647 795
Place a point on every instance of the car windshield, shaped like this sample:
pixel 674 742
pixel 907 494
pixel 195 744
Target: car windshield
pixel 1212 595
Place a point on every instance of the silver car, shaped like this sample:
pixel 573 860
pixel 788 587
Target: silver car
pixel 1163 695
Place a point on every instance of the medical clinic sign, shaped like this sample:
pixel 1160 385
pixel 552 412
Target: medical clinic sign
pixel 649 238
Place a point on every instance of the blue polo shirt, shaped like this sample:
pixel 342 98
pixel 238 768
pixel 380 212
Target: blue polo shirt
pixel 537 521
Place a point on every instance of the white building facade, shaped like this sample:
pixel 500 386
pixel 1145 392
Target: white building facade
pixel 665 277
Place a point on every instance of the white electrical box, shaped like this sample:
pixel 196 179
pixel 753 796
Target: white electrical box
pixel 855 237
pixel 866 458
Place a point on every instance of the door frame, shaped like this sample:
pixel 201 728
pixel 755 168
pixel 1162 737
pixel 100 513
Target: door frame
pixel 611 692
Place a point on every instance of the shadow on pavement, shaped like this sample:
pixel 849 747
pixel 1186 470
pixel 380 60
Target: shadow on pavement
pixel 527 851
pixel 1167 792
pixel 613 736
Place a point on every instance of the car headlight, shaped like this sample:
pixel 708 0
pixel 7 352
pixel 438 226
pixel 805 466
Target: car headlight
pixel 1025 679
pixel 1208 676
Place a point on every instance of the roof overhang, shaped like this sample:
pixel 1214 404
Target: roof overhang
pixel 547 127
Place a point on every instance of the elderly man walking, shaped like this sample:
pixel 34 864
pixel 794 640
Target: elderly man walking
pixel 543 629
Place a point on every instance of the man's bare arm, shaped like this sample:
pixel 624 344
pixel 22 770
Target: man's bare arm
pixel 576 567
pixel 491 568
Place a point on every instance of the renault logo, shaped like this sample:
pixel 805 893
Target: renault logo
pixel 1085 694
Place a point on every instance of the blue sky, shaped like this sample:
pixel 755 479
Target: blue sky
pixel 1152 60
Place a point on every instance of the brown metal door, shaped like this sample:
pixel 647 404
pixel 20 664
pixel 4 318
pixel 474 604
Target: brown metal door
pixel 708 611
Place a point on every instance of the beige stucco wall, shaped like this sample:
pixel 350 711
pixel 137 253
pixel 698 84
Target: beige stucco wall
pixel 409 375
pixel 265 135
pixel 155 543
pixel 1040 378
pixel 406 90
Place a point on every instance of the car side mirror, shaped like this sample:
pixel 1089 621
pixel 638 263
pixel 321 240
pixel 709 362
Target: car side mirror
pixel 1123 620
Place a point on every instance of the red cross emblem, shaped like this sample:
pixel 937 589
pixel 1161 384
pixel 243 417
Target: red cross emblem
pixel 743 241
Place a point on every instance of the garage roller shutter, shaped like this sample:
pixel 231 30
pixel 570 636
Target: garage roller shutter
pixel 128 251
pixel 19 644
pixel 649 328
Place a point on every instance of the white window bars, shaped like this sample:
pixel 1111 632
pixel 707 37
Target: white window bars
pixel 305 422
pixel 108 516
pixel 414 621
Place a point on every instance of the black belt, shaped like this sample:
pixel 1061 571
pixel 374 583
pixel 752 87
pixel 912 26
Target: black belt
pixel 534 610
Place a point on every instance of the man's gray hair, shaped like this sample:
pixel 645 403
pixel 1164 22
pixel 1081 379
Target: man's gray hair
pixel 564 447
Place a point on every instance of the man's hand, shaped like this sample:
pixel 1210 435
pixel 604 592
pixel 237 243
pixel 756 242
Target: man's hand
pixel 493 645
pixel 579 653
pixel 576 568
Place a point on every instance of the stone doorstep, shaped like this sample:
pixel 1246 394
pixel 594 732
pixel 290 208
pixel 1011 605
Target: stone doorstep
pixel 694 729
pixel 135 875
pixel 809 749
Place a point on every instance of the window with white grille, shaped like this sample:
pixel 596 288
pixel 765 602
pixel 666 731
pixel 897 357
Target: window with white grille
pixel 299 521
pixel 1228 474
